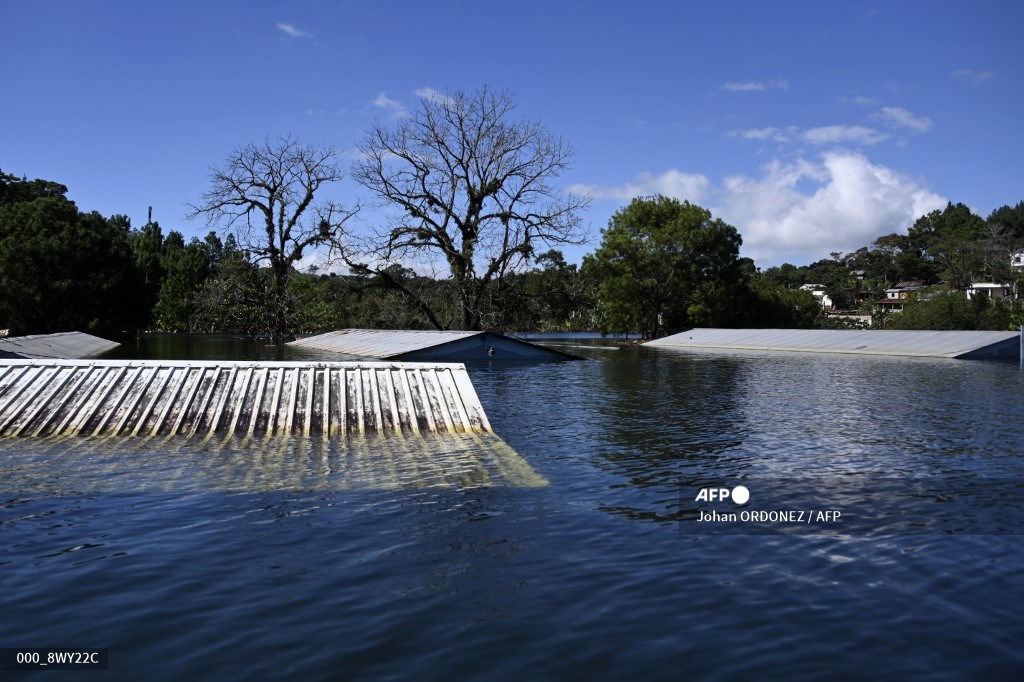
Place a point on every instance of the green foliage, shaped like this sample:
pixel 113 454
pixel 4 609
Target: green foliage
pixel 147 248
pixel 187 269
pixel 314 303
pixel 1010 218
pixel 665 265
pixel 559 296
pixel 948 309
pixel 14 190
pixel 761 303
pixel 61 269
pixel 234 299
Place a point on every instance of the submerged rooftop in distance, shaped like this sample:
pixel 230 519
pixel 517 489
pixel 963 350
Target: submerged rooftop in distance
pixel 68 345
pixel 930 344
pixel 447 346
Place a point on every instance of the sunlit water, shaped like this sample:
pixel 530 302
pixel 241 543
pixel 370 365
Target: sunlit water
pixel 562 550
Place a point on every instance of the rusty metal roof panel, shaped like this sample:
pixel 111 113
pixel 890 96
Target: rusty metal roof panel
pixel 396 344
pixel 941 344
pixel 149 398
pixel 63 345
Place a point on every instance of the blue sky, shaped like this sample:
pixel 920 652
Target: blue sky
pixel 810 126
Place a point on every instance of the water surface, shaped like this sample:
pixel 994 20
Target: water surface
pixel 320 560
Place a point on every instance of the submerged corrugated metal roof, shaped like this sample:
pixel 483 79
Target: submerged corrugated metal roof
pixel 397 344
pixel 258 463
pixel 62 345
pixel 138 397
pixel 939 344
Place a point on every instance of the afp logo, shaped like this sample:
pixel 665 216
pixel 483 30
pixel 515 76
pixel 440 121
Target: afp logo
pixel 739 495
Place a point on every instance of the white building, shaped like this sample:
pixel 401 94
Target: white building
pixel 818 291
pixel 990 290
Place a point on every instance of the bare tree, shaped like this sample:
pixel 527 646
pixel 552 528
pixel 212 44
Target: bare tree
pixel 474 192
pixel 266 195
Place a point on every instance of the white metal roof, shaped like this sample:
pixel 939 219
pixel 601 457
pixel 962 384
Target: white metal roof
pixel 62 345
pixel 395 344
pixel 153 397
pixel 942 344
pixel 379 343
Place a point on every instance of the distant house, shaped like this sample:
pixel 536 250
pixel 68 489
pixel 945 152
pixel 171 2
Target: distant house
pixel 818 291
pixel 990 290
pixel 895 297
pixel 1017 261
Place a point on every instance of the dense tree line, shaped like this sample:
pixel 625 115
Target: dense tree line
pixel 62 269
pixel 662 266
pixel 474 202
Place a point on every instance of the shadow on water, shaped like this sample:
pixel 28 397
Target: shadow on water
pixel 164 346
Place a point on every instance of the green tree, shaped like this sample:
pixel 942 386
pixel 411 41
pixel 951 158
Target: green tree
pixel 15 190
pixel 234 298
pixel 147 248
pixel 63 270
pixel 761 303
pixel 187 269
pixel 954 221
pixel 949 238
pixel 562 297
pixel 1011 218
pixel 666 265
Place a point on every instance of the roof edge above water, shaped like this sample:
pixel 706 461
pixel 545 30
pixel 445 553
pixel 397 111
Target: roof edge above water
pixel 915 343
pixel 396 344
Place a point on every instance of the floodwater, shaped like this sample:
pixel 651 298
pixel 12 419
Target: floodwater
pixel 568 547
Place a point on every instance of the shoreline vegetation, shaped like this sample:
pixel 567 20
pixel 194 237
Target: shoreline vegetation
pixel 476 198
pixel 114 280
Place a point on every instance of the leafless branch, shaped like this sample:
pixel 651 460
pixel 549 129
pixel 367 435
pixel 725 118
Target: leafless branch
pixel 474 187
pixel 266 194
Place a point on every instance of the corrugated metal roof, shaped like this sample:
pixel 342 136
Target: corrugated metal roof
pixel 62 345
pixel 940 344
pixel 396 344
pixel 137 397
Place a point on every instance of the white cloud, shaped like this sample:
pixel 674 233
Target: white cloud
pixel 899 117
pixel 396 108
pixel 756 86
pixel 692 187
pixel 850 203
pixel 797 211
pixel 770 133
pixel 292 31
pixel 972 75
pixel 431 94
pixel 843 134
